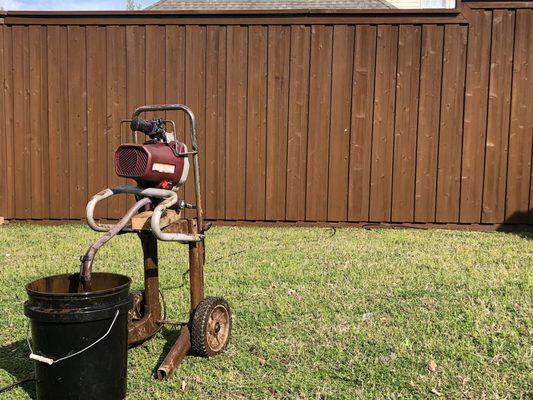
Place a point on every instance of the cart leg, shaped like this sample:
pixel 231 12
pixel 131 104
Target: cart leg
pixel 196 268
pixel 176 354
pixel 152 305
pixel 148 326
pixel 196 275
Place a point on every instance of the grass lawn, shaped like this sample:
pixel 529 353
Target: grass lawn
pixel 361 314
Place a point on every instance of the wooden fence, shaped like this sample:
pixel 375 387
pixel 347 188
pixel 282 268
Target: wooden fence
pixel 412 117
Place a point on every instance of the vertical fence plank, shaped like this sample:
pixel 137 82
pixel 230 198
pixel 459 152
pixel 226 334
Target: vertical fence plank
pixel 174 72
pixel 58 109
pixel 362 117
pixel 135 81
pixel 195 98
pixel 96 114
pixel 136 69
pixel 116 110
pixel 155 68
pixel 175 78
pixel 384 105
pixel 297 132
pixel 406 125
pixel 236 82
pixel 521 133
pixel 339 138
pixel 77 121
pixel 39 136
pixel 428 122
pixel 8 91
pixel 319 117
pixel 277 119
pixel 3 140
pixel 501 65
pixel 256 123
pixel 451 126
pixel 21 122
pixel 475 119
pixel 216 123
pixel 44 123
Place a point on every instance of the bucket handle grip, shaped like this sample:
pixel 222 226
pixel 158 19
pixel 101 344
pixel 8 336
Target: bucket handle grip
pixel 50 361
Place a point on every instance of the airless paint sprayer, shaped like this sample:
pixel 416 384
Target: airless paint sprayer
pixel 81 324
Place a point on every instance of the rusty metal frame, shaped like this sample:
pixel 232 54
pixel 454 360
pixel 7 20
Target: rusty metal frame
pixel 189 231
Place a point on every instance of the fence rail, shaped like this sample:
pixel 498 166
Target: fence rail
pixel 412 117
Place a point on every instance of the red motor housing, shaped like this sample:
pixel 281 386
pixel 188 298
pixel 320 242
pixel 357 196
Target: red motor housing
pixel 152 164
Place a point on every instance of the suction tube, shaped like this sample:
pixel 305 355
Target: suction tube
pixel 87 260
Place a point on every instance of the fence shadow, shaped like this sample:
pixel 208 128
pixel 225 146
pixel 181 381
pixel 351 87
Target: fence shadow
pixel 519 224
pixel 14 360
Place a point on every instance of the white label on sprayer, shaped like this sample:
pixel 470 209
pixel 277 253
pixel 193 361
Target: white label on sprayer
pixel 166 168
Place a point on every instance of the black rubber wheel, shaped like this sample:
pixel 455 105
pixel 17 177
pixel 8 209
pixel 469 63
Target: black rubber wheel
pixel 211 327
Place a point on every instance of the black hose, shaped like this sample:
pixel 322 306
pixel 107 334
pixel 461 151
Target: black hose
pixel 277 243
pixel 13 385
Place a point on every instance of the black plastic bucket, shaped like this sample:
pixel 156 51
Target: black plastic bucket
pixel 85 334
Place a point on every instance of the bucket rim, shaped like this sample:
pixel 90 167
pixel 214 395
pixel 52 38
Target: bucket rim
pixel 116 289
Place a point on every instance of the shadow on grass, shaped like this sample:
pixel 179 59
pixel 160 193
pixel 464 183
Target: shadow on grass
pixel 519 224
pixel 14 360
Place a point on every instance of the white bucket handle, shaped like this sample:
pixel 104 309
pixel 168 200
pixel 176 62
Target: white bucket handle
pixel 50 361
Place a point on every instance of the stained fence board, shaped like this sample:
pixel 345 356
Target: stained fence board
pixel 57 55
pixel 451 125
pixel 256 123
pixel 362 121
pixel 96 115
pixel 155 68
pixel 3 145
pixel 519 170
pixel 236 109
pixel 136 70
pixel 383 125
pixel 155 72
pixel 277 119
pixel 475 120
pixel 21 126
pixel 319 119
pixel 428 122
pixel 45 140
pixel 215 123
pixel 406 124
pixel 501 66
pixel 195 98
pixel 77 121
pixel 297 131
pixel 8 92
pixel 175 76
pixel 339 137
pixel 116 111
pixel 135 89
pixel 39 136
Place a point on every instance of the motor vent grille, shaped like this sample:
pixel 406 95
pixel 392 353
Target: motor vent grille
pixel 131 162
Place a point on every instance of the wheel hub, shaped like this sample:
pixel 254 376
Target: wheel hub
pixel 218 328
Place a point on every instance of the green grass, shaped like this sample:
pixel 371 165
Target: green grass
pixel 361 314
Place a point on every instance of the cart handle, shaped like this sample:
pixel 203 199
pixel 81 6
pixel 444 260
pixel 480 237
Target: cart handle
pixel 169 197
